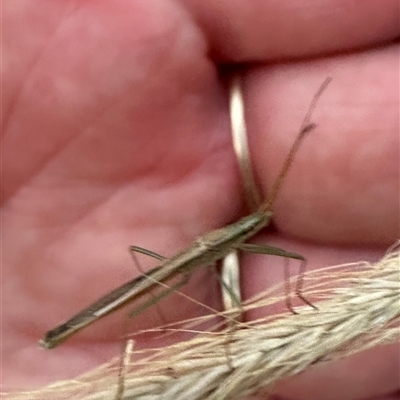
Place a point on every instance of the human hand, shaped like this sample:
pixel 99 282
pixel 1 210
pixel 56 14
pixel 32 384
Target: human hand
pixel 116 132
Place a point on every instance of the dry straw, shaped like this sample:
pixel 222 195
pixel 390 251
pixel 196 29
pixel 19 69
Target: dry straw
pixel 358 308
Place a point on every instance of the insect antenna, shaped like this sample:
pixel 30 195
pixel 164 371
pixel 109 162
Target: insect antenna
pixel 306 127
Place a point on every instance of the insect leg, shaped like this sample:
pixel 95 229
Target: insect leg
pixel 124 363
pixel 276 251
pixel 137 249
pixel 156 298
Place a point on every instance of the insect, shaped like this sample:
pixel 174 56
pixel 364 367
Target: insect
pixel 205 250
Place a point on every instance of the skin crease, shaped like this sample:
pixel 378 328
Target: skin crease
pixel 116 132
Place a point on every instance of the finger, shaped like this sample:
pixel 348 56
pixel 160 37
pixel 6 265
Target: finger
pixel 368 374
pixel 260 30
pixel 344 185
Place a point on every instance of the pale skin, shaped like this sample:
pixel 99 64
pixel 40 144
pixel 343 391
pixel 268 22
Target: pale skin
pixel 116 133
